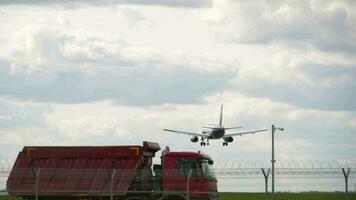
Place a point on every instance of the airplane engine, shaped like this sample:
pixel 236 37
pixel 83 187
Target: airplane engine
pixel 229 139
pixel 194 139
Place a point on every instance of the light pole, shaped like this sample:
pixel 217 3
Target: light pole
pixel 273 160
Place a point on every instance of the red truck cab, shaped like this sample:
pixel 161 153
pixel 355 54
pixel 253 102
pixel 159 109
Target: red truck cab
pixel 175 168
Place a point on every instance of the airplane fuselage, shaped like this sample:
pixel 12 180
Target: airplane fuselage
pixel 216 132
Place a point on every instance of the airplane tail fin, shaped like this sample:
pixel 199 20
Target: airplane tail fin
pixel 221 115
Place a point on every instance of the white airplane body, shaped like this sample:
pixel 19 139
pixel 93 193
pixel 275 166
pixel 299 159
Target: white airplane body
pixel 215 132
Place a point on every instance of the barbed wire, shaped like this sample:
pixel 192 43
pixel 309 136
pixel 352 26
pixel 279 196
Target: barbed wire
pixel 285 164
pixel 6 164
pixel 252 168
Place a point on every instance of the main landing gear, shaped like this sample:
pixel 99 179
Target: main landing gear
pixel 203 143
pixel 225 143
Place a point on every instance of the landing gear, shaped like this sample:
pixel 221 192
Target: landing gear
pixel 202 143
pixel 225 143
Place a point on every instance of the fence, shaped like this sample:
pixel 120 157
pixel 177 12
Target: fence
pixel 106 182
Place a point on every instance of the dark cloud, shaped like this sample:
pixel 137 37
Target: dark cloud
pixel 333 88
pixel 131 85
pixel 77 3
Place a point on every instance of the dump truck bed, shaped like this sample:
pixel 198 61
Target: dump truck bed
pixel 77 171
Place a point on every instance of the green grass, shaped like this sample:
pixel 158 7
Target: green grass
pixel 5 197
pixel 261 196
pixel 286 196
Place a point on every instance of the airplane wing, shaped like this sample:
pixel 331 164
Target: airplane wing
pixel 187 133
pixel 226 128
pixel 211 127
pixel 236 127
pixel 245 133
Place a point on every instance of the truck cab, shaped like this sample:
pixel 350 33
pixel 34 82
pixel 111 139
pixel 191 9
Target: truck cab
pixel 177 166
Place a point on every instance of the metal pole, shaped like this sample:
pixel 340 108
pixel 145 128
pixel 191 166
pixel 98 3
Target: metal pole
pixel 266 181
pixel 37 175
pixel 112 177
pixel 346 175
pixel 188 182
pixel 273 161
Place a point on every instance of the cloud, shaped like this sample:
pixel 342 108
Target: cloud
pixel 327 25
pixel 77 3
pixel 308 79
pixel 23 123
pixel 50 64
pixel 133 16
pixel 41 45
pixel 16 114
pixel 131 86
pixel 55 65
pixel 308 134
pixel 44 46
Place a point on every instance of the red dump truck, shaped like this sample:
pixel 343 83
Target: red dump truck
pixel 111 172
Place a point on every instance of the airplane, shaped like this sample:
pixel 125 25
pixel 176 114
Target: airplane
pixel 215 132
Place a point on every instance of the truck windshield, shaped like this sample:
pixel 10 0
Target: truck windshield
pixel 207 168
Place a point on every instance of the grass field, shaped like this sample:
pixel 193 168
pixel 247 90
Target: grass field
pixel 260 196
pixel 286 196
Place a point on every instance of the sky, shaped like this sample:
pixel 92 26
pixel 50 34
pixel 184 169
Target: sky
pixel 115 72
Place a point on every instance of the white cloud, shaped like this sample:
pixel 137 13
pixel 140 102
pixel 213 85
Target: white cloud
pixel 286 66
pixel 41 46
pixel 5 117
pixel 26 136
pixel 107 123
pixel 283 67
pixel 328 25
pixel 352 122
pixel 80 3
pixel 45 46
pixel 238 104
pixel 133 16
pixel 141 53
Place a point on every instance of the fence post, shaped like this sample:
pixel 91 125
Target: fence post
pixel 37 175
pixel 266 181
pixel 188 175
pixel 346 176
pixel 112 178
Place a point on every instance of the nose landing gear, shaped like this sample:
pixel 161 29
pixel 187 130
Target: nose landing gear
pixel 225 143
pixel 203 143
